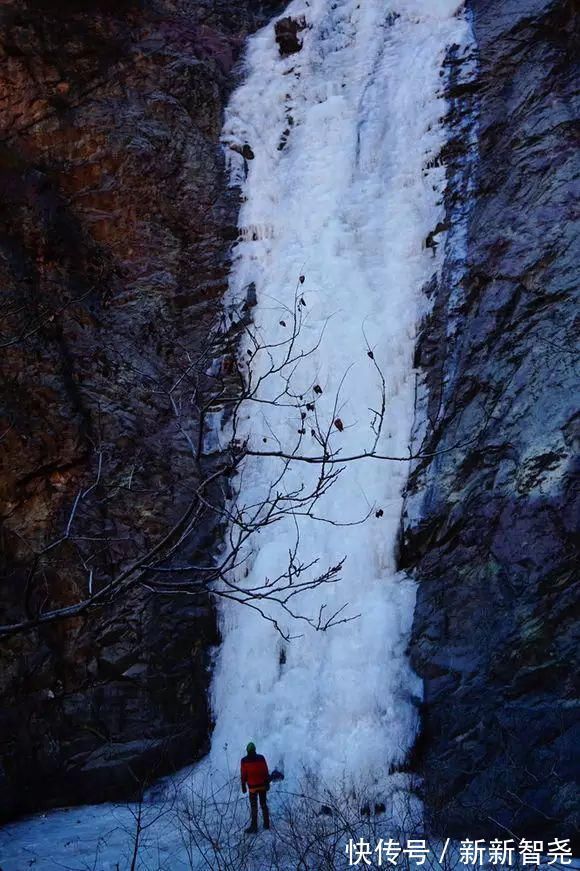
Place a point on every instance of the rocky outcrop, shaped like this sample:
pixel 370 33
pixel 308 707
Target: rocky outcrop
pixel 488 525
pixel 287 35
pixel 115 225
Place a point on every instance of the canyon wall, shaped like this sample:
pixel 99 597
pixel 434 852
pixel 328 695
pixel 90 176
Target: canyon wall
pixel 115 226
pixel 489 524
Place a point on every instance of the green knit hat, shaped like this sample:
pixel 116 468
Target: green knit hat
pixel 251 748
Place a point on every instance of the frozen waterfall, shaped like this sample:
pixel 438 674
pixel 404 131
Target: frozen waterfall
pixel 343 189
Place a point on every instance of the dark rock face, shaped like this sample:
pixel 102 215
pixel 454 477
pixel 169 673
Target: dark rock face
pixel 287 38
pixel 115 225
pixel 488 526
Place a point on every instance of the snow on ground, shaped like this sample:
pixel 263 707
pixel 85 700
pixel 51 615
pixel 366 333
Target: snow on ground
pixel 343 190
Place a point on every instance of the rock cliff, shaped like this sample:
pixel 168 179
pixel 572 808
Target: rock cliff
pixel 488 526
pixel 115 225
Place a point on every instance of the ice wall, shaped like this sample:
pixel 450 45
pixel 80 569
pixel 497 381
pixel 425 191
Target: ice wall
pixel 343 188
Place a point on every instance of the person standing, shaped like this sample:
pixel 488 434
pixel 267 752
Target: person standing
pixel 256 779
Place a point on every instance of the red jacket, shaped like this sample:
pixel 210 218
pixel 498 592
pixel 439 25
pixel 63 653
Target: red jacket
pixel 254 773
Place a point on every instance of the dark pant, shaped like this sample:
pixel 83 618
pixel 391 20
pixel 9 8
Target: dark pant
pixel 254 796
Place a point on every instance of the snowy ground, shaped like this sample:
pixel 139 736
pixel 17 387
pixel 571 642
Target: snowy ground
pixel 343 190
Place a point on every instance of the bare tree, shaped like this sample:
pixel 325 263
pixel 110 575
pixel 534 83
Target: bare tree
pixel 231 376
pixel 312 828
pixel 198 822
